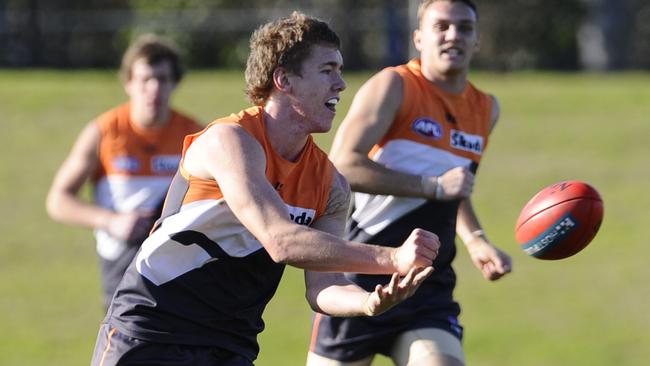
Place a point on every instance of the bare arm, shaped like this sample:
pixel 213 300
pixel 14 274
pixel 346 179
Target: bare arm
pixel 63 203
pixel 371 115
pixel 240 171
pixel 332 293
pixel 490 260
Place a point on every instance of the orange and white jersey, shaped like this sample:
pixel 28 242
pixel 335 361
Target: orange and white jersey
pixel 201 272
pixel 195 204
pixel 433 131
pixel 136 166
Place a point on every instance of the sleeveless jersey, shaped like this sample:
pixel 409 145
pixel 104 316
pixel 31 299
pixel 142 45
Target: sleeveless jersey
pixel 136 166
pixel 201 278
pixel 433 131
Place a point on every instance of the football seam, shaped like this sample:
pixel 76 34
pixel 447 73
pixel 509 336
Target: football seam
pixel 558 203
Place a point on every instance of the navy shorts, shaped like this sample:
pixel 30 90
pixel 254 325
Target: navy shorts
pixel 115 348
pixel 353 339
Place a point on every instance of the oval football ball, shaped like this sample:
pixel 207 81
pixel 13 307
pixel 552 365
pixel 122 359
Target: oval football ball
pixel 560 220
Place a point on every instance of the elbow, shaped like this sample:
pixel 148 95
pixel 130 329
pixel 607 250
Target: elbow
pixel 311 295
pixel 52 207
pixel 278 250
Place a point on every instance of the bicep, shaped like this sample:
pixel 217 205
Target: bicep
pixel 370 116
pixel 240 173
pixel 81 162
pixel 332 221
pixel 495 112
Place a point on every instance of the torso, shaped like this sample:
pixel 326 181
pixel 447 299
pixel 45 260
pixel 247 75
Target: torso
pixel 203 274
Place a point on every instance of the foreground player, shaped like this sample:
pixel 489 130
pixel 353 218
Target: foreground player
pixel 410 146
pixel 130 155
pixel 253 194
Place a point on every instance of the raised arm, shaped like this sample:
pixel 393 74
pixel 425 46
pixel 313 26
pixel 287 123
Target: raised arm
pixel 370 116
pixel 240 171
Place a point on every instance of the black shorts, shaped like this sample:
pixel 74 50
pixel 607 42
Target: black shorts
pixel 112 272
pixel 114 348
pixel 353 339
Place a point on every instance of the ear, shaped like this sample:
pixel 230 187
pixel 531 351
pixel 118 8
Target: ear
pixel 477 45
pixel 281 79
pixel 128 86
pixel 417 39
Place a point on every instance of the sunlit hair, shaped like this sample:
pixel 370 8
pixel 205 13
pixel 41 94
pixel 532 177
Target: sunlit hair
pixel 424 4
pixel 154 49
pixel 283 43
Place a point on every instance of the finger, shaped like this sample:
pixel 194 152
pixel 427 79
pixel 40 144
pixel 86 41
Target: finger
pixel 408 278
pixel 423 275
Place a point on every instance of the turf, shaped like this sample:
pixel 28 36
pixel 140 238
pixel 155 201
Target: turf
pixel 589 309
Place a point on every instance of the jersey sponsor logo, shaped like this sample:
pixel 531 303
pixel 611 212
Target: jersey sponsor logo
pixel 165 163
pixel 126 163
pixel 301 216
pixel 466 141
pixel 427 128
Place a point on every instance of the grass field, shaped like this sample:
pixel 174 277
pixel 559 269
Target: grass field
pixel 589 310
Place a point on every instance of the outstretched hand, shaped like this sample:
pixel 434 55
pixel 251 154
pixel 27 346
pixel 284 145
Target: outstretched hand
pixel 396 291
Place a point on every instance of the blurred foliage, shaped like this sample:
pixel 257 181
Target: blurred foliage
pixel 521 34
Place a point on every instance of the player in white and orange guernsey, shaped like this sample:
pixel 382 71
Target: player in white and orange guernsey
pixel 410 146
pixel 253 194
pixel 130 155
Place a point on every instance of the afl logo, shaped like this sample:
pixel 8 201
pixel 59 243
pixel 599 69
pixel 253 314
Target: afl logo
pixel 428 128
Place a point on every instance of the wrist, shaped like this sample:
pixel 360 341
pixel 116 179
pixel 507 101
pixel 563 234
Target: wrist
pixel 475 235
pixel 432 187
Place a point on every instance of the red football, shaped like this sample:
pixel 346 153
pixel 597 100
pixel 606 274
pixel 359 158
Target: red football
pixel 560 220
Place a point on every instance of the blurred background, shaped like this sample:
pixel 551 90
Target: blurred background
pixel 573 83
pixel 522 34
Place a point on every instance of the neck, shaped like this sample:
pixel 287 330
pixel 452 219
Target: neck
pixel 283 128
pixel 452 82
pixel 143 119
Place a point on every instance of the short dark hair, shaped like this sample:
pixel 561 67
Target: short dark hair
pixel 424 4
pixel 154 49
pixel 283 43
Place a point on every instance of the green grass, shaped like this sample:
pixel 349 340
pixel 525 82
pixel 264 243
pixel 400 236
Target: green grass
pixel 586 310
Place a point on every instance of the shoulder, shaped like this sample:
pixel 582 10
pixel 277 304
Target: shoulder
pixel 339 198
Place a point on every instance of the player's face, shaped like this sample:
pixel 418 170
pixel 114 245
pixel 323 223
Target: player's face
pixel 315 93
pixel 150 88
pixel 447 37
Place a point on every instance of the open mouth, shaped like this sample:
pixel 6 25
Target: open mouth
pixel 452 52
pixel 331 103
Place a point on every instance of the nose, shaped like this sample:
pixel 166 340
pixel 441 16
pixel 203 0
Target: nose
pixel 339 84
pixel 452 32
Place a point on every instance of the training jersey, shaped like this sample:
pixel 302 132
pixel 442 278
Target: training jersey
pixel 136 165
pixel 433 132
pixel 201 278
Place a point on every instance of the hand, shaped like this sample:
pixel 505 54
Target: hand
pixel 418 250
pixel 396 291
pixel 130 226
pixel 456 183
pixel 490 260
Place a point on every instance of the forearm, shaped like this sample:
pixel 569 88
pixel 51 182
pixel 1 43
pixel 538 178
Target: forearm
pixel 310 249
pixel 468 226
pixel 367 176
pixel 341 300
pixel 72 210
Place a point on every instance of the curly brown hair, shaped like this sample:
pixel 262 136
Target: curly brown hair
pixel 154 49
pixel 283 43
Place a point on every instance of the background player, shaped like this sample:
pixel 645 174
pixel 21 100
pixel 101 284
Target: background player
pixel 254 193
pixel 130 155
pixel 410 146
